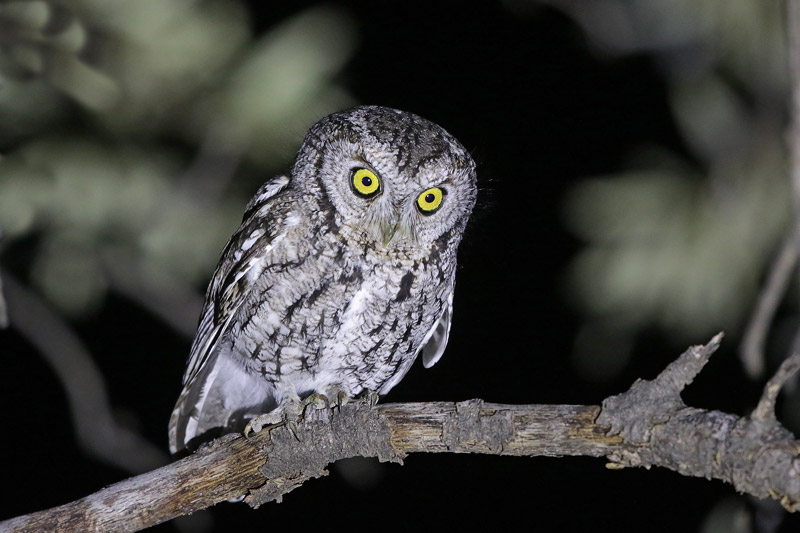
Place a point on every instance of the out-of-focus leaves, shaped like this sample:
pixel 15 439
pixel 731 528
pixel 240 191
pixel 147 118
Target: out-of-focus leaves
pixel 711 117
pixel 123 124
pixel 281 86
pixel 45 39
pixel 165 54
pixel 728 516
pixel 689 36
pixel 185 71
pixel 82 185
pixel 87 85
pixel 132 61
pixel 682 242
pixel 83 196
pixel 634 207
pixel 26 106
pixel 668 249
pixel 69 274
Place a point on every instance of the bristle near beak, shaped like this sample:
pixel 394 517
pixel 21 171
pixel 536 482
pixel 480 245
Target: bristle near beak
pixel 388 231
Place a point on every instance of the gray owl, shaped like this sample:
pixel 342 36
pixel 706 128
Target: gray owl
pixel 340 274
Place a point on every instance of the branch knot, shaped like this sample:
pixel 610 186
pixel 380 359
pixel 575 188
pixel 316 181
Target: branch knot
pixel 472 426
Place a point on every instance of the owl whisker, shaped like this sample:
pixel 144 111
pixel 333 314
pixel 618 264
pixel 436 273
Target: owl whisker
pixel 388 230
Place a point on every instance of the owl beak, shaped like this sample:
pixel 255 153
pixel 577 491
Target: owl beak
pixel 388 230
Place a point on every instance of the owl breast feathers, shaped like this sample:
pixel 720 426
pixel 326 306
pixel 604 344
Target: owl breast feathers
pixel 338 277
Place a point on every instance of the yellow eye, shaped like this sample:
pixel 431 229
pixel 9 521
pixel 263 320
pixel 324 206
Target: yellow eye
pixel 365 182
pixel 430 200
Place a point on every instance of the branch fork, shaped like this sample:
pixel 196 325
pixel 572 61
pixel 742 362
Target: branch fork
pixel 649 425
pixel 755 453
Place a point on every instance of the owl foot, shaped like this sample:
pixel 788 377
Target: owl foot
pixel 339 397
pixel 334 398
pixel 314 401
pixel 343 399
pixel 371 397
pixel 255 425
pixel 287 414
pixel 291 412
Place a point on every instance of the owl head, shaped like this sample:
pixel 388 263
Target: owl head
pixel 393 179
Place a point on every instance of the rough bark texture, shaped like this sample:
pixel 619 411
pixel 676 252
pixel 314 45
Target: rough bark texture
pixel 755 454
pixel 649 425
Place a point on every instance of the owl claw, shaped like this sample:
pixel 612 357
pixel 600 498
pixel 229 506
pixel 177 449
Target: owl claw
pixel 321 401
pixel 258 423
pixel 370 396
pixel 341 399
pixel 252 427
pixel 288 414
pixel 315 401
pixel 293 411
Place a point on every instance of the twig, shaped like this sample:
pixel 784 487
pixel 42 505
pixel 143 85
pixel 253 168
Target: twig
pixel 647 426
pixel 755 454
pixel 765 410
pixel 752 350
pixel 97 430
pixel 3 307
pixel 793 31
pixel 3 304
pixel 754 340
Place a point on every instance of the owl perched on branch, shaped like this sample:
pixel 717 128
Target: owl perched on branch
pixel 340 274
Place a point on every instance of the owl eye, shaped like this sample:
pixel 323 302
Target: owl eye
pixel 365 183
pixel 430 200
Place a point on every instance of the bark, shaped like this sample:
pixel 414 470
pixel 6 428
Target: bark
pixel 649 425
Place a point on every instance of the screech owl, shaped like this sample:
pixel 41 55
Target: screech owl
pixel 340 274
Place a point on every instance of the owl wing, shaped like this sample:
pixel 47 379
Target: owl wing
pixel 242 262
pixel 436 340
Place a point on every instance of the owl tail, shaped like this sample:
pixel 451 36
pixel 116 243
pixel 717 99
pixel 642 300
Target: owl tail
pixel 221 398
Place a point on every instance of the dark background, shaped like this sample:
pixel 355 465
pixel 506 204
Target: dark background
pixel 539 111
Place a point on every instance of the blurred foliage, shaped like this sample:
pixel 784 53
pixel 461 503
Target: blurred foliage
pixel 122 124
pixel 729 516
pixel 681 240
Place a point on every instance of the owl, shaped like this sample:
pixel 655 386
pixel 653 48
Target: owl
pixel 340 275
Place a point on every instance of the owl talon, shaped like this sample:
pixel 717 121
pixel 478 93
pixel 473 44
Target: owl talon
pixel 258 423
pixel 341 399
pixel 315 401
pixel 371 398
pixel 252 427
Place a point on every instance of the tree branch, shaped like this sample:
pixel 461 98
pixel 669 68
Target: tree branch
pixel 98 431
pixel 3 307
pixel 647 425
pixel 770 297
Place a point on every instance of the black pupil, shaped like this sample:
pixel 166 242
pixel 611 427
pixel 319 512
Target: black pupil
pixel 429 198
pixel 366 181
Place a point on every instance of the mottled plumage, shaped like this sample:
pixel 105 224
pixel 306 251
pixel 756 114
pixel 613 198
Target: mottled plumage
pixel 338 277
